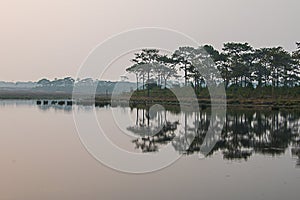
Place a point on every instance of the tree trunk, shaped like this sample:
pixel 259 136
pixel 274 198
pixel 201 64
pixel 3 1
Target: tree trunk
pixel 137 82
pixel 165 83
pixel 143 81
pixel 185 74
pixel 148 92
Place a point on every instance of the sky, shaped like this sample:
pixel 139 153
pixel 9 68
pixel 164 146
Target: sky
pixel 51 39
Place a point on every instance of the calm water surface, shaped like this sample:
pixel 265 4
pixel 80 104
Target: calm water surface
pixel 257 155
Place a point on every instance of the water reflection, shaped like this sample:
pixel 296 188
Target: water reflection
pixel 16 103
pixel 245 132
pixel 42 149
pixel 296 153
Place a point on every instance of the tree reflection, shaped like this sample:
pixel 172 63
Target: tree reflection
pixel 245 132
pixel 157 131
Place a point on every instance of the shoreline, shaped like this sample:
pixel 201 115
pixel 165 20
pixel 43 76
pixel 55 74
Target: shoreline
pixel 280 102
pixel 204 103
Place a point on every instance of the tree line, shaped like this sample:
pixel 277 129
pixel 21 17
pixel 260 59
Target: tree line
pixel 239 64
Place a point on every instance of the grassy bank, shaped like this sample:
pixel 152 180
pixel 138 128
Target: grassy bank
pixel 236 97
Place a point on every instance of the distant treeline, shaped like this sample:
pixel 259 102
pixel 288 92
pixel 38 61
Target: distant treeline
pixel 240 65
pixel 65 85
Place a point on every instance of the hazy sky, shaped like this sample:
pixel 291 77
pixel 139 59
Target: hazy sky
pixel 51 38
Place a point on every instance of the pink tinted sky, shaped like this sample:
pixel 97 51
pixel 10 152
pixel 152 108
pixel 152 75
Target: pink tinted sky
pixel 50 39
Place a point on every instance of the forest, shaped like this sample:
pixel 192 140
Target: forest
pixel 245 71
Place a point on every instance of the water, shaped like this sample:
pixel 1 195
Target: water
pixel 42 156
